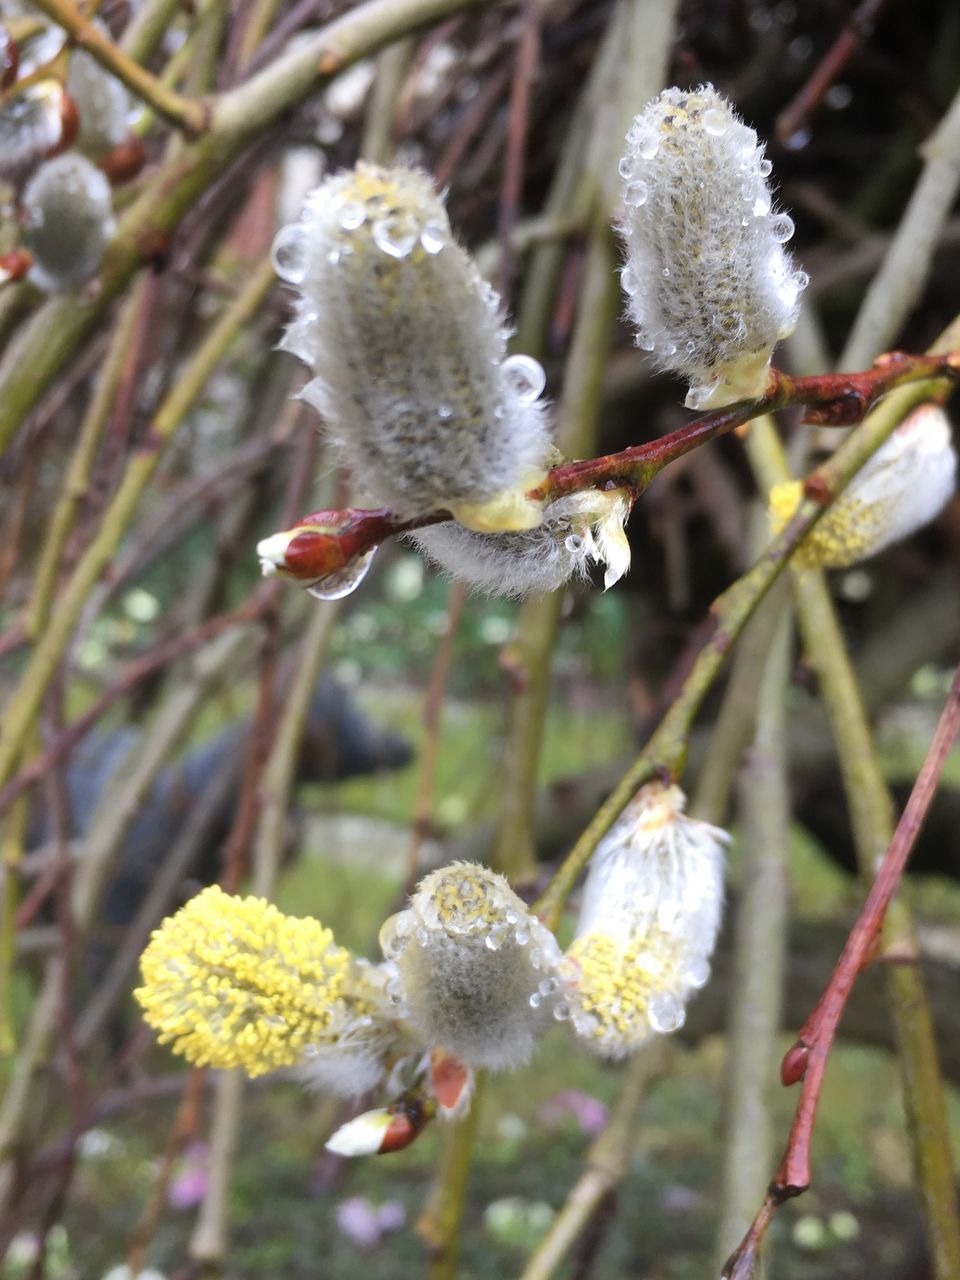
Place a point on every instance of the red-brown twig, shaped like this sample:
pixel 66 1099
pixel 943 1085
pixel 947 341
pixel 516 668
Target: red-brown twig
pixel 859 25
pixel 806 1060
pixel 325 542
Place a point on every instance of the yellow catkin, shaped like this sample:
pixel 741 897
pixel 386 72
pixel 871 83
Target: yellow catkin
pixel 233 982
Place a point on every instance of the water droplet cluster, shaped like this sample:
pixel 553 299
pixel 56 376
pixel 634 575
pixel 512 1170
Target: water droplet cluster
pixel 408 345
pixel 709 286
pixel 471 969
pixel 648 924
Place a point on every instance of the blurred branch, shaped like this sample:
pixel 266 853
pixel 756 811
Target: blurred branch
pixel 21 710
pixel 606 1164
pixel 760 945
pixel 870 809
pixel 897 285
pixel 189 116
pixel 56 331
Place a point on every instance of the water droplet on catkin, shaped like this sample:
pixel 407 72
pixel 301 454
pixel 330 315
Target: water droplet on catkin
pixel 525 378
pixel 343 582
pixel 291 254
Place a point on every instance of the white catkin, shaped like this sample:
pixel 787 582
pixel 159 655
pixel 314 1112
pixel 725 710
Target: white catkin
pixel 68 222
pixel 651 912
pixel 709 286
pixel 408 344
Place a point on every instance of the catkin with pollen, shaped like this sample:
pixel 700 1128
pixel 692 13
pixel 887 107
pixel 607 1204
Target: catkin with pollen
pixel 408 345
pixel 709 286
pixel 651 912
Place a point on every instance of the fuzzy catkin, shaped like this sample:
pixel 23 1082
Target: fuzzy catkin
pixel 902 487
pixel 68 222
pixel 408 344
pixel 575 531
pixel 103 102
pixel 651 911
pixel 475 972
pixel 709 286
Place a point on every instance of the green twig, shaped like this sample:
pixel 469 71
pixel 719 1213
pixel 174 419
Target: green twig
pixel 189 116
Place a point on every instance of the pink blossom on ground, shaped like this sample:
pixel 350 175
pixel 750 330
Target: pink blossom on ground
pixel 589 1112
pixel 366 1223
pixel 189 1184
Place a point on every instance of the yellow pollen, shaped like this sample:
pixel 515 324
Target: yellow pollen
pixel 233 982
pixel 846 534
pixel 616 981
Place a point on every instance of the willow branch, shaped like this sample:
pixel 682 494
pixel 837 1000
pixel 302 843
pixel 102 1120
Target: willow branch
pixel 730 612
pixel 324 542
pixel 237 118
pixel 191 117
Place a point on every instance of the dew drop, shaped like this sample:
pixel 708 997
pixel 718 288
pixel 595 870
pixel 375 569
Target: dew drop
pixel 665 272
pixel 573 543
pixel 549 986
pixel 561 1011
pixel 444 412
pixel 646 344
pixel 629 281
pixel 765 168
pixel 665 1013
pixel 698 972
pixel 394 237
pixel 625 167
pixel 290 253
pixel 496 937
pixel 432 238
pixel 782 228
pixel 340 583
pixel 536 957
pixel 536 1000
pixel 715 121
pixel 636 194
pixel 761 207
pixel 521 937
pixel 525 378
pixel 648 146
pixel 352 215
